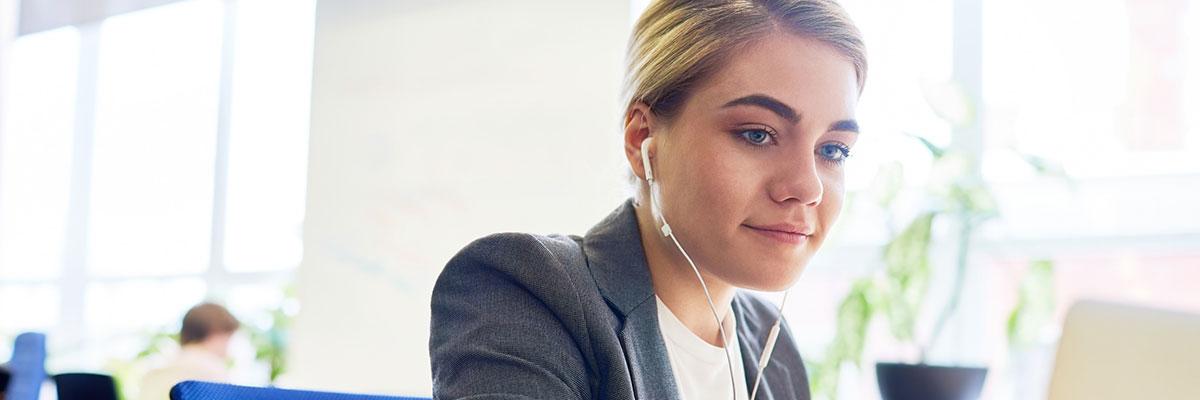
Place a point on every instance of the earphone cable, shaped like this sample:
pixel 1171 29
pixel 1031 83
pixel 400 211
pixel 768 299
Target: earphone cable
pixel 713 308
pixel 769 347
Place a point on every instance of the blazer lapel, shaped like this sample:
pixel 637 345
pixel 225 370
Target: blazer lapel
pixel 618 264
pixel 647 355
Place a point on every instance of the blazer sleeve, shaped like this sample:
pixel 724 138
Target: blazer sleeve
pixel 502 313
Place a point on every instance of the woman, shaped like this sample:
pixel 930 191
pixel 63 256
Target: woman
pixel 740 115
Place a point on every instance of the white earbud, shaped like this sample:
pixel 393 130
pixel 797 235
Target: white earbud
pixel 655 206
pixel 646 159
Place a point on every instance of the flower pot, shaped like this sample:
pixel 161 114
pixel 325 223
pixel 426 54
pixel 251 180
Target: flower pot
pixel 928 382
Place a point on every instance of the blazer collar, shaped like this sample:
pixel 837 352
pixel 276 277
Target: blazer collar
pixel 618 264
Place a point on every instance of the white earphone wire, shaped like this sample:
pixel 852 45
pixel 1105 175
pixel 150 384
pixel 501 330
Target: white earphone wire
pixel 769 347
pixel 713 308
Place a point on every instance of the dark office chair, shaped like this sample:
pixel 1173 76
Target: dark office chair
pixel 83 386
pixel 4 375
pixel 195 390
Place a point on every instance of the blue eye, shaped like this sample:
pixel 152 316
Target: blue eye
pixel 757 137
pixel 834 152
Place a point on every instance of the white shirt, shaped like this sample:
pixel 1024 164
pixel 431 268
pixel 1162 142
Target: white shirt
pixel 701 369
pixel 192 363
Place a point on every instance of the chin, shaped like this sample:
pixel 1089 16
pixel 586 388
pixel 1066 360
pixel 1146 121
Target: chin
pixel 776 279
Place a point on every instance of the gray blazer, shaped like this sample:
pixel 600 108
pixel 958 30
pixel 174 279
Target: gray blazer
pixel 519 316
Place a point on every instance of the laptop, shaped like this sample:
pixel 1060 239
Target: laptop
pixel 1114 351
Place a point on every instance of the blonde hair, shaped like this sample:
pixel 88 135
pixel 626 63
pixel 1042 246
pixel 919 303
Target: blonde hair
pixel 678 43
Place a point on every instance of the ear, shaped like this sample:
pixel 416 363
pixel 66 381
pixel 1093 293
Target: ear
pixel 639 124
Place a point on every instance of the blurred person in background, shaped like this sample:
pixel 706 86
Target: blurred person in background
pixel 203 354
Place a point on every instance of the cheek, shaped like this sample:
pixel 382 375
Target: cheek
pixel 832 198
pixel 727 178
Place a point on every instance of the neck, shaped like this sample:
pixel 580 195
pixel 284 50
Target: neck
pixel 676 284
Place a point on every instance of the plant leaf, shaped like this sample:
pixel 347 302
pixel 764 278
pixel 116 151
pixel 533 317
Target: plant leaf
pixel 907 269
pixel 1035 304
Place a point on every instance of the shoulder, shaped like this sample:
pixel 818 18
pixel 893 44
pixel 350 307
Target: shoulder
pixel 518 244
pixel 509 315
pixel 519 267
pixel 518 255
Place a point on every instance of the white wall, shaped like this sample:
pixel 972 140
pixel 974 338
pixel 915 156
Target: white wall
pixel 435 122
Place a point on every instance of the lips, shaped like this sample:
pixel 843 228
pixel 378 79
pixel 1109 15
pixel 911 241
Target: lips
pixel 785 233
pixel 785 228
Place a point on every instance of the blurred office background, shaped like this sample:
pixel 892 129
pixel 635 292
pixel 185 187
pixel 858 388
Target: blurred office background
pixel 312 164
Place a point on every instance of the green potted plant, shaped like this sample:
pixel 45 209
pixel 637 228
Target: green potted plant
pixel 270 342
pixel 960 199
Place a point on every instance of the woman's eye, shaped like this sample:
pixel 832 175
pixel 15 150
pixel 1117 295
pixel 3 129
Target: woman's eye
pixel 757 137
pixel 834 152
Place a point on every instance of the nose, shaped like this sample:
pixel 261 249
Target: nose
pixel 798 183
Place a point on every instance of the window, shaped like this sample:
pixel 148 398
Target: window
pixel 268 130
pixel 35 155
pixel 155 159
pixel 154 141
pixel 1102 91
pixel 35 178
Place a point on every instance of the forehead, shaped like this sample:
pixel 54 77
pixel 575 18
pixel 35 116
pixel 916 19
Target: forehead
pixel 806 74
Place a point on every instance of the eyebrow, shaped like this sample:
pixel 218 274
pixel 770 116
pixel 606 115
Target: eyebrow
pixel 769 103
pixel 786 112
pixel 845 125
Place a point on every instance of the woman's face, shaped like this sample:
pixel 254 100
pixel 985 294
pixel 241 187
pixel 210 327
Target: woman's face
pixel 751 167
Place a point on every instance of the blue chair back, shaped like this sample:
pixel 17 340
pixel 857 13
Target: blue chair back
pixel 196 390
pixel 27 367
